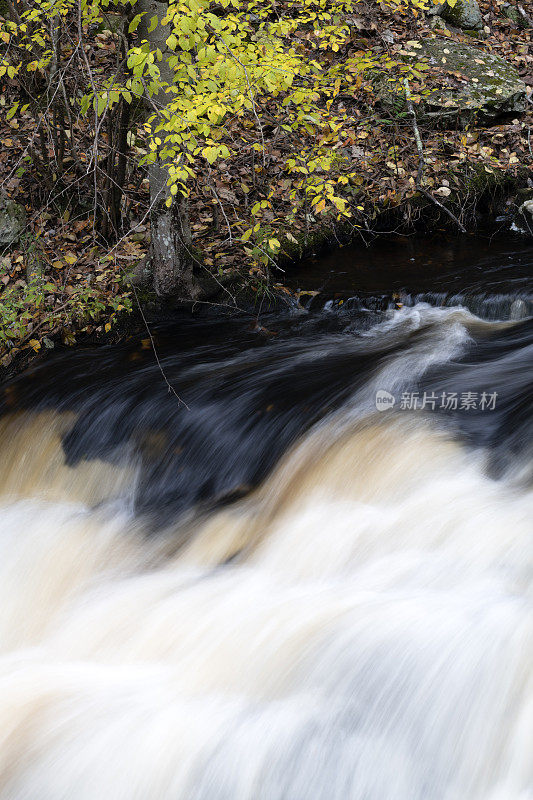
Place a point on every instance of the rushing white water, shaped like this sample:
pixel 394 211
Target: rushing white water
pixel 358 628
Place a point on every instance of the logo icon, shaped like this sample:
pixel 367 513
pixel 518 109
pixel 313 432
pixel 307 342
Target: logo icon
pixel 384 400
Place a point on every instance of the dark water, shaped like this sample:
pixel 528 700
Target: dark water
pixel 486 275
pixel 248 387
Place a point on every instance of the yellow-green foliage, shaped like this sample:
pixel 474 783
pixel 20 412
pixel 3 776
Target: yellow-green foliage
pixel 226 69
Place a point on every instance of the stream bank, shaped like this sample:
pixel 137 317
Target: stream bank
pixel 446 148
pixel 489 275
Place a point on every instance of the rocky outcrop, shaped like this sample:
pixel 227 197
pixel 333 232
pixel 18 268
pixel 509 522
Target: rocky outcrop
pixel 481 84
pixel 12 221
pixel 463 14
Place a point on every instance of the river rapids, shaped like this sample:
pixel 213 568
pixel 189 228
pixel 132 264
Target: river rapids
pixel 306 574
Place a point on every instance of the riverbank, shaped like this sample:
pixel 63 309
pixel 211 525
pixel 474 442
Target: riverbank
pixel 447 147
pixel 488 275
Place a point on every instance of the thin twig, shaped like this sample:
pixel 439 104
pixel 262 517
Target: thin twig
pixel 162 371
pixel 421 162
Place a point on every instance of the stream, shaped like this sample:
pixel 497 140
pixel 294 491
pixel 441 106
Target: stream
pixel 306 571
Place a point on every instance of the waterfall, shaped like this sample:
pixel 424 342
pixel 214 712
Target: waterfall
pixel 272 588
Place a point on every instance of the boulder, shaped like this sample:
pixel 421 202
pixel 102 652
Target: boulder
pixel 463 14
pixel 12 221
pixel 434 8
pixel 489 87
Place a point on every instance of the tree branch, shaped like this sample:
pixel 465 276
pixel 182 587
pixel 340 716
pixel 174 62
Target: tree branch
pixel 421 162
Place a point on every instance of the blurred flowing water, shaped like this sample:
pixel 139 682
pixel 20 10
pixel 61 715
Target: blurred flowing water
pixel 279 586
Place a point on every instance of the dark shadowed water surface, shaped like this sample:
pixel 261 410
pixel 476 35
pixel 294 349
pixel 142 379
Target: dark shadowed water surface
pixel 417 264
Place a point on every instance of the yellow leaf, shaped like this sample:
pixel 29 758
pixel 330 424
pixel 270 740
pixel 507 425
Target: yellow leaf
pixel 35 344
pixel 107 327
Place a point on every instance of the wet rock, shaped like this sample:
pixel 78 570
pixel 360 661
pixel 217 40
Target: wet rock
pixel 525 223
pixel 12 221
pixel 490 87
pixel 527 208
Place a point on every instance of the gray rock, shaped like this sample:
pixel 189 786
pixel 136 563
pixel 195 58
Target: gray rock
pixel 113 23
pixel 491 87
pixel 435 9
pixel 523 221
pixel 526 210
pixel 141 274
pixel 12 221
pixel 464 14
pixel 438 22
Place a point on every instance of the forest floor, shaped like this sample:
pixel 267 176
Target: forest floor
pixel 62 282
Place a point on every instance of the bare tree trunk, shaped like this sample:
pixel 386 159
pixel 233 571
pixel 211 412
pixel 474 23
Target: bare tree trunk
pixel 171 252
pixel 171 241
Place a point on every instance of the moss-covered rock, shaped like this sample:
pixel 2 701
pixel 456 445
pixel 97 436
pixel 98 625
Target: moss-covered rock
pixel 490 87
pixel 12 221
pixel 521 19
pixel 464 14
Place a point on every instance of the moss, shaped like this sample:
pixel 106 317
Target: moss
pixel 512 13
pixel 464 14
pixel 12 221
pixel 493 86
pixel 115 23
pixel 477 179
pixel 474 34
pixel 474 179
pixel 318 238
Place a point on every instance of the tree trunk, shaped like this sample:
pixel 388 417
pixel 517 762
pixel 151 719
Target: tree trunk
pixel 171 251
pixel 171 241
